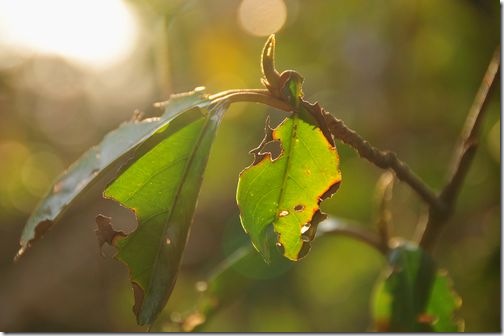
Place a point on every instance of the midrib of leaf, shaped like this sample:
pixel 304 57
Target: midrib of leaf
pixel 177 193
pixel 54 204
pixel 287 163
pixel 150 178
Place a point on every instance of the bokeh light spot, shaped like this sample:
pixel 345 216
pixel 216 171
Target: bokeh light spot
pixel 39 170
pixel 262 18
pixel 91 32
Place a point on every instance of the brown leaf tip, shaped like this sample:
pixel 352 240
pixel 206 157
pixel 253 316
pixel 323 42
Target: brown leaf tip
pixel 40 231
pixel 19 253
pixel 138 294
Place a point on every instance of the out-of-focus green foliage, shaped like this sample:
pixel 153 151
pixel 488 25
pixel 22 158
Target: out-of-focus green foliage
pixel 414 295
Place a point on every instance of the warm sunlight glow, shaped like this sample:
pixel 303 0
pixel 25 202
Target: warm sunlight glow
pixel 262 18
pixel 92 32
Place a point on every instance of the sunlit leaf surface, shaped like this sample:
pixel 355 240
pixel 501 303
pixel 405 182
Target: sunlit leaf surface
pixel 285 192
pixel 162 188
pixel 117 147
pixel 281 195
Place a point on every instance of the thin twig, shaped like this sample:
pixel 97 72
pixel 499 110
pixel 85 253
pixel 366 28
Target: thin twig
pixel 354 231
pixel 464 154
pixel 233 91
pixel 469 137
pixel 254 96
pixel 383 196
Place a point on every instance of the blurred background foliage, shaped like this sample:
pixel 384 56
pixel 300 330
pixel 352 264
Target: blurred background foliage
pixel 402 73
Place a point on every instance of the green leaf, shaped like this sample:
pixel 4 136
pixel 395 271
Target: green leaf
pixel 283 194
pixel 95 165
pixel 415 296
pixel 162 188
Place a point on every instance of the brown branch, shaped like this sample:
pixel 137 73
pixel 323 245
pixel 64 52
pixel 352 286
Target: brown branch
pixel 251 95
pixel 464 154
pixel 233 91
pixel 383 159
pixel 383 195
pixel 354 231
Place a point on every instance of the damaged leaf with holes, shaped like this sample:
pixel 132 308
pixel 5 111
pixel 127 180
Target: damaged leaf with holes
pixel 414 295
pixel 161 188
pixel 100 163
pixel 279 198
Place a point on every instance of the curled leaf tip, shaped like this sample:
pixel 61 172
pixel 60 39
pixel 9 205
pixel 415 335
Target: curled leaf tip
pixel 39 231
pixel 271 76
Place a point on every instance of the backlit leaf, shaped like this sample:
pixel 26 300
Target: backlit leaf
pixel 116 148
pixel 282 195
pixel 161 188
pixel 415 296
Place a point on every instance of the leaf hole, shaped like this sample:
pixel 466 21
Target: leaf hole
pixel 280 247
pixel 283 213
pixel 299 207
pixel 305 228
pixel 273 147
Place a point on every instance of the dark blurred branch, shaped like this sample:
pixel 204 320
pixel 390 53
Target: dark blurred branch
pixel 469 136
pixel 464 154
